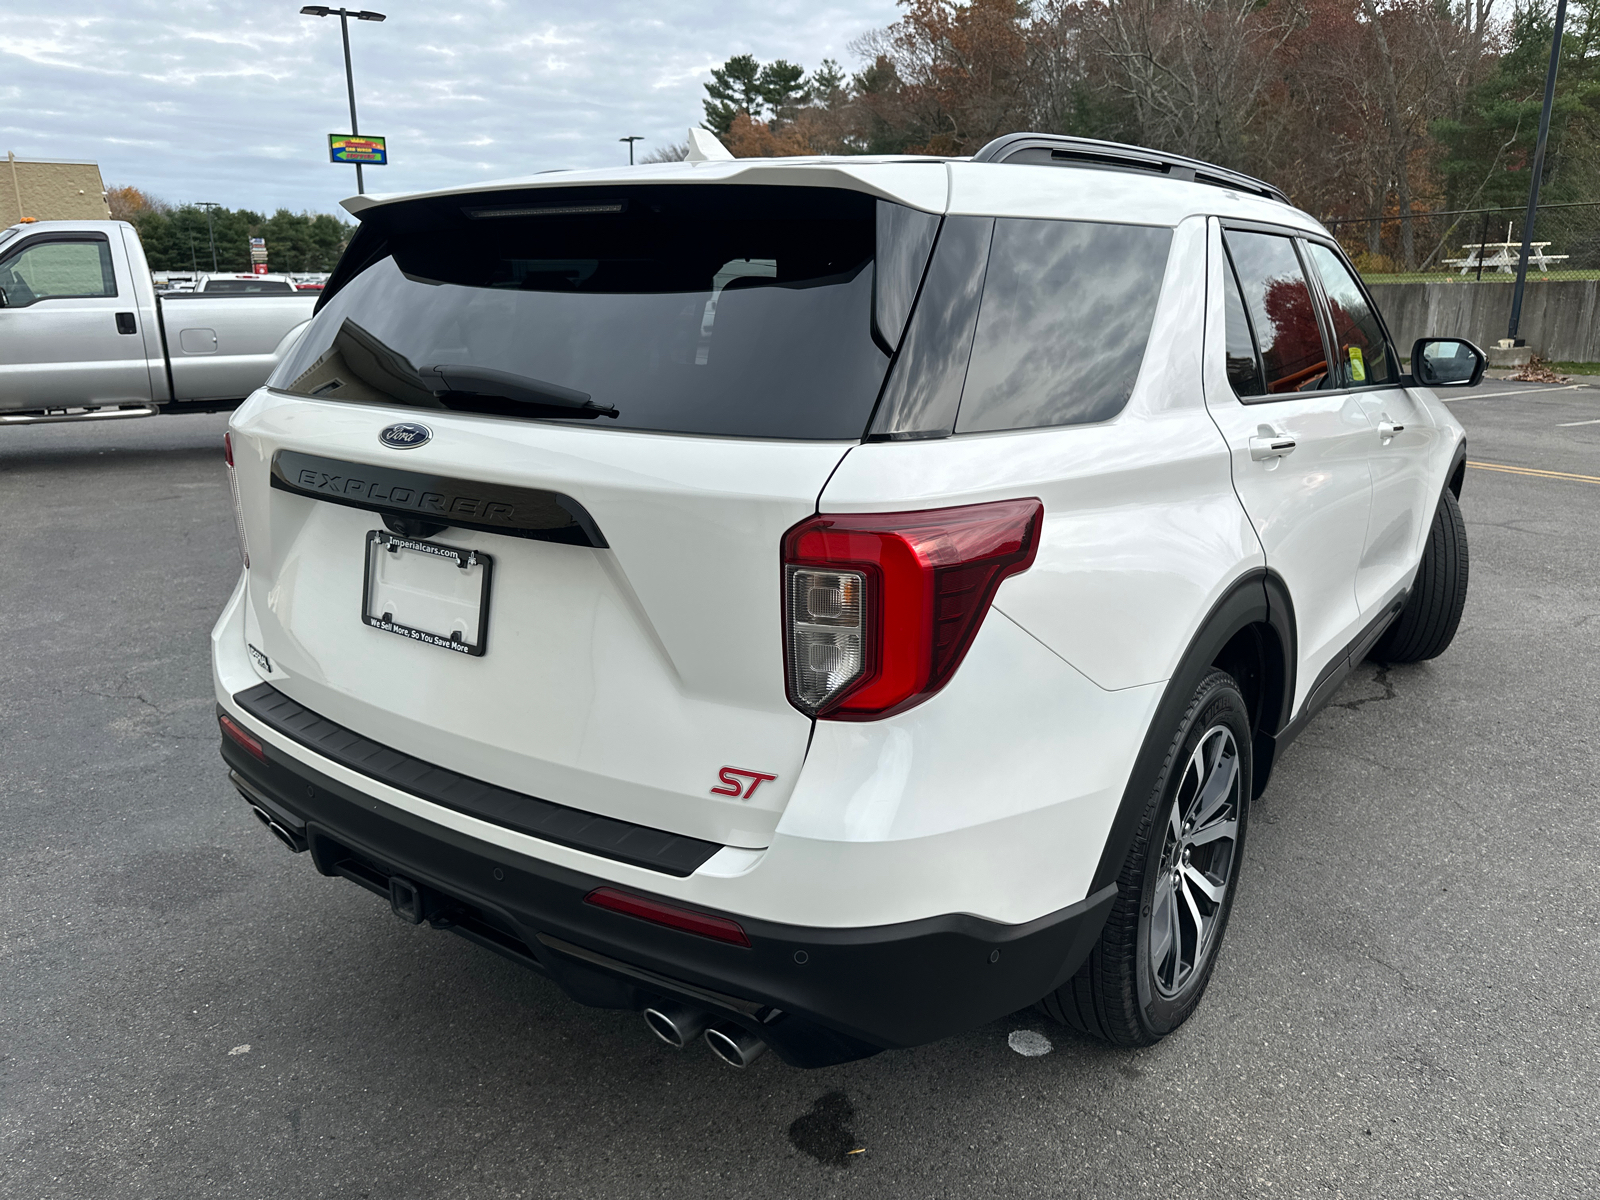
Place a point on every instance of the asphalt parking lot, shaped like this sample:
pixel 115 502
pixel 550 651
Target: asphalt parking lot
pixel 1406 1005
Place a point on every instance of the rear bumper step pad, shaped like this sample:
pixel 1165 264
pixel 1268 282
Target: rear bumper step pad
pixel 637 845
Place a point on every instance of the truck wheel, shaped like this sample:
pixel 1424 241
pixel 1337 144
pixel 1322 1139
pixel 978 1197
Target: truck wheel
pixel 1427 624
pixel 1154 957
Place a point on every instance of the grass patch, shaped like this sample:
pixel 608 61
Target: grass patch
pixel 1573 368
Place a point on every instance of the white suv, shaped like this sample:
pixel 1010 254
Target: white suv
pixel 828 603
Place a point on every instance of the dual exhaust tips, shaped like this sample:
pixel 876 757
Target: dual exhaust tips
pixel 677 1025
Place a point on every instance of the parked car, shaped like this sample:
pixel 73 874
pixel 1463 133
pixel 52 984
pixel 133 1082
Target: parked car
pixel 828 604
pixel 245 284
pixel 84 335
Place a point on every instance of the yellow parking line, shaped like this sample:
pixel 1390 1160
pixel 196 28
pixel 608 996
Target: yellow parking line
pixel 1532 471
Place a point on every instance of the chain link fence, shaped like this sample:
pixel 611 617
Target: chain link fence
pixel 1479 245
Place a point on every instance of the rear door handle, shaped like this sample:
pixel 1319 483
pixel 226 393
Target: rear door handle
pixel 1387 428
pixel 1276 446
pixel 125 323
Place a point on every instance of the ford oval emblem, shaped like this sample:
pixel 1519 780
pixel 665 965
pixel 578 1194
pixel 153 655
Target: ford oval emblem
pixel 407 435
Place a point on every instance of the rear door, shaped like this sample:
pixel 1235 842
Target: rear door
pixel 69 330
pixel 1402 440
pixel 1300 450
pixel 618 402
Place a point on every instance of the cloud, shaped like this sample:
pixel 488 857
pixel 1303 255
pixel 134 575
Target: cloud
pixel 232 100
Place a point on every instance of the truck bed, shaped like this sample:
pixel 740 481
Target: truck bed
pixel 222 347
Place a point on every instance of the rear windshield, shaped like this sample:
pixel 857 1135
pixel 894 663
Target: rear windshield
pixel 724 310
pixel 249 287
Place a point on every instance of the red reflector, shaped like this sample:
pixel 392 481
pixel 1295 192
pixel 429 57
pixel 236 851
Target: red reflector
pixel 719 928
pixel 227 448
pixel 232 729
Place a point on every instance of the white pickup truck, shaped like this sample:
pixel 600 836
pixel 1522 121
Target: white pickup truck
pixel 83 335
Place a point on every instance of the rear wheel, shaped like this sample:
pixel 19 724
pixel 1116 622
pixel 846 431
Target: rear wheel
pixel 1155 955
pixel 1427 624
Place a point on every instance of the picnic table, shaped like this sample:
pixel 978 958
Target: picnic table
pixel 1502 256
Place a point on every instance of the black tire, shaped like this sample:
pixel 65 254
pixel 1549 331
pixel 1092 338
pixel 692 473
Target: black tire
pixel 1125 992
pixel 1427 624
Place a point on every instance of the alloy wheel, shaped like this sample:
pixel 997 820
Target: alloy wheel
pixel 1201 838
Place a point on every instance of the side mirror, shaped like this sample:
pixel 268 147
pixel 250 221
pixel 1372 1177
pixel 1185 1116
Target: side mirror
pixel 1446 362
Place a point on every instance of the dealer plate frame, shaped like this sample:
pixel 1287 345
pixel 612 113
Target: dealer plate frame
pixel 378 541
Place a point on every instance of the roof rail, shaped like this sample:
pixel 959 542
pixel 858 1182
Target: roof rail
pixel 1052 149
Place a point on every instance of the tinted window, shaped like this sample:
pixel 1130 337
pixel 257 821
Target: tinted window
pixel 905 236
pixel 1362 357
pixel 1281 311
pixel 1066 312
pixel 1244 369
pixel 743 311
pixel 923 393
pixel 248 287
pixel 55 270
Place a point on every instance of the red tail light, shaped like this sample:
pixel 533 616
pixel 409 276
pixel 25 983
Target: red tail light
pixel 880 608
pixel 686 919
pixel 238 509
pixel 234 731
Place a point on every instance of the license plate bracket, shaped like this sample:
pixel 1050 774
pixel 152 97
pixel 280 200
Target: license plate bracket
pixel 438 595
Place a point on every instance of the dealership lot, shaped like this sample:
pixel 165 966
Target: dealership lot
pixel 1405 1006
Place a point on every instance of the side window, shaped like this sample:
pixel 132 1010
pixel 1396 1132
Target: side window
pixel 1244 368
pixel 1362 354
pixel 1282 313
pixel 53 270
pixel 1066 313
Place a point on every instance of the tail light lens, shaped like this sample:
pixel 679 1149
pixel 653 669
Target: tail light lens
pixel 687 919
pixel 238 509
pixel 880 608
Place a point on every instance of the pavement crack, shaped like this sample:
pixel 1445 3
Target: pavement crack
pixel 1381 678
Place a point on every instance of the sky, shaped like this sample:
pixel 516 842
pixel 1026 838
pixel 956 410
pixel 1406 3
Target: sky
pixel 232 100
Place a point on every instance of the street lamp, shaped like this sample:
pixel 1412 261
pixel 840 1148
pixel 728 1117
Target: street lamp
pixel 208 205
pixel 631 141
pixel 322 10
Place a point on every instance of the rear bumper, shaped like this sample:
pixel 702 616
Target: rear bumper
pixel 816 995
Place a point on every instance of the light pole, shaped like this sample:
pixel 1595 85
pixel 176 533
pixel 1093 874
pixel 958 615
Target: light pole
pixel 1538 169
pixel 322 10
pixel 631 141
pixel 208 205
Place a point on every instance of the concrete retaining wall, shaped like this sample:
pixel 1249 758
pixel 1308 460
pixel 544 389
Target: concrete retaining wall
pixel 1560 320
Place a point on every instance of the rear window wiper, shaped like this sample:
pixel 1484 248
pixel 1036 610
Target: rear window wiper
pixel 447 379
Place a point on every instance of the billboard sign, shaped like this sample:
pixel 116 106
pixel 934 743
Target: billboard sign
pixel 367 151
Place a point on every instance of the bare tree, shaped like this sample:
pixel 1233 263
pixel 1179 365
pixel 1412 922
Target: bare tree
pixel 1197 71
pixel 671 152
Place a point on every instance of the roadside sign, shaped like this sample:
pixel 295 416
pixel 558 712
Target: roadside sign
pixel 368 151
pixel 259 268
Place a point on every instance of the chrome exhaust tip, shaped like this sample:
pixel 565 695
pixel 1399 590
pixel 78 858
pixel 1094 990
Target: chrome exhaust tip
pixel 675 1024
pixel 294 843
pixel 734 1045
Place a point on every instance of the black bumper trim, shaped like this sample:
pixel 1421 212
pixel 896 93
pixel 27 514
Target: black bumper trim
pixel 717 999
pixel 637 845
pixel 817 996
